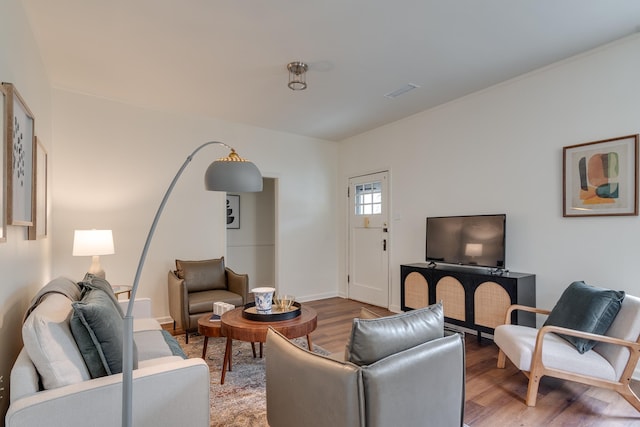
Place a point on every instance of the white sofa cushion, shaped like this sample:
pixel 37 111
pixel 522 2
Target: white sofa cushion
pixel 50 344
pixel 151 345
pixel 518 343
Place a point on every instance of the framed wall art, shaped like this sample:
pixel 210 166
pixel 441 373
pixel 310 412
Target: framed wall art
pixel 601 178
pixel 39 228
pixel 19 162
pixel 233 211
pixel 3 154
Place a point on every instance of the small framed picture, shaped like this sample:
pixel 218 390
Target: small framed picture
pixel 601 178
pixel 233 211
pixel 20 134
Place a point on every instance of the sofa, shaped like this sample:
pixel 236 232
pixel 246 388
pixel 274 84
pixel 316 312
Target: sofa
pixel 57 381
pixel 400 370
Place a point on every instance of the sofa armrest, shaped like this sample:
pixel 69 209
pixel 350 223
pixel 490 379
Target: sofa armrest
pixel 302 385
pixel 238 284
pixel 177 300
pixel 170 394
pixel 141 307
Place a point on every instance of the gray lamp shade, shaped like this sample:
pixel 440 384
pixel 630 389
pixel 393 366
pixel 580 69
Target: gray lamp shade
pixel 233 176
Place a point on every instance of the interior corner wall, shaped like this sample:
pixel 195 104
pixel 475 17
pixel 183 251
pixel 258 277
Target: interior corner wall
pixel 24 264
pixel 251 247
pixel 115 161
pixel 500 151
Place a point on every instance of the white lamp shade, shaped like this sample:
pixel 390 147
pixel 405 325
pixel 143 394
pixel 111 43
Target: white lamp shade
pixel 92 242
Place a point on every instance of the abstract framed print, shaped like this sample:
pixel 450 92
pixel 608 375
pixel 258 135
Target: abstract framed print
pixel 601 178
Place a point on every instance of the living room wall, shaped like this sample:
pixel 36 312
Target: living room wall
pixel 500 151
pixel 24 264
pixel 251 247
pixel 115 161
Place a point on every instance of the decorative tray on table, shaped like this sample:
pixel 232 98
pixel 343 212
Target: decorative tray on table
pixel 250 312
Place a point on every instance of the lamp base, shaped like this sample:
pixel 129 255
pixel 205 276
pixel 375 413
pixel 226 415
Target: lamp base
pixel 96 268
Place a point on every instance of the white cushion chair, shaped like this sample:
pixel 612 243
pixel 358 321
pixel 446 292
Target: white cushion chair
pixel 610 363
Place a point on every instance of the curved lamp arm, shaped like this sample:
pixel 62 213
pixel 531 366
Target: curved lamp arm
pixel 127 347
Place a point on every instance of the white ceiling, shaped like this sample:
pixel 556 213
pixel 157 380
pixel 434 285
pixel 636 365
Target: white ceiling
pixel 227 58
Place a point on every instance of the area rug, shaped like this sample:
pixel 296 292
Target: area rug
pixel 241 401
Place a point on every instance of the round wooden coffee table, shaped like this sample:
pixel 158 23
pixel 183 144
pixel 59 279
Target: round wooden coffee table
pixel 236 327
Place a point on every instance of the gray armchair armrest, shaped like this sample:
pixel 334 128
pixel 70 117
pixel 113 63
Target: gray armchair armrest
pixel 436 368
pixel 238 284
pixel 335 399
pixel 177 299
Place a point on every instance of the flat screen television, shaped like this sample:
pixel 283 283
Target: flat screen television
pixel 467 240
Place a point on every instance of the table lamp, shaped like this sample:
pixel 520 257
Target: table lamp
pixel 231 174
pixel 93 243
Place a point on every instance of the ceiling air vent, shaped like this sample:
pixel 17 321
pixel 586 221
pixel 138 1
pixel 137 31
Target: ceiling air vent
pixel 401 91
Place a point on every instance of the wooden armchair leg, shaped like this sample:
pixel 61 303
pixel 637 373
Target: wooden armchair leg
pixel 532 389
pixel 630 397
pixel 501 359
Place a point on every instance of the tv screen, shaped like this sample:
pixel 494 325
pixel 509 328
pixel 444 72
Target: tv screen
pixel 467 240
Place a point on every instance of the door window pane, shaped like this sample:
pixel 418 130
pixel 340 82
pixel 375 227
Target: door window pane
pixel 368 198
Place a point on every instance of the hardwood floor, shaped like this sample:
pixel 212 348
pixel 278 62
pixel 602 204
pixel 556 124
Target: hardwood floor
pixel 495 397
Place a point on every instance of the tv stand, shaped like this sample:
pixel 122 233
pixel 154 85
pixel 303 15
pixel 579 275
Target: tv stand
pixel 474 298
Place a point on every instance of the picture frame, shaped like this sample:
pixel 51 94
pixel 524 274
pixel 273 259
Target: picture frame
pixel 233 211
pixel 19 141
pixel 600 178
pixel 3 154
pixel 40 170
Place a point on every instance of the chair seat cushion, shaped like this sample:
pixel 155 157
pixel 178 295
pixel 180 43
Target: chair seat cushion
pixel 518 343
pixel 202 302
pixel 585 308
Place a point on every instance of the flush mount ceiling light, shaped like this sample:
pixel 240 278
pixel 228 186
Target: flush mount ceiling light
pixel 297 75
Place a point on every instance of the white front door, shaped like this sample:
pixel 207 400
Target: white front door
pixel 368 279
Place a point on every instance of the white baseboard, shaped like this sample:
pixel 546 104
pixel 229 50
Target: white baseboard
pixel 315 297
pixel 164 320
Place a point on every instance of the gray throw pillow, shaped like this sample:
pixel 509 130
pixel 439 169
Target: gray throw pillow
pixel 585 308
pixel 91 281
pixel 375 339
pixel 97 327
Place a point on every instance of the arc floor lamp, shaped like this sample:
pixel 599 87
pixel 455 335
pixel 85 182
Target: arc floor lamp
pixel 232 174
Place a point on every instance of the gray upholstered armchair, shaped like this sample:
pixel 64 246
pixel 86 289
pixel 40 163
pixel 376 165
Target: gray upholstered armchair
pixel 401 370
pixel 196 285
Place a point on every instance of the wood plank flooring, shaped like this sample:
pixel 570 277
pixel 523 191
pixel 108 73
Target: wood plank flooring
pixel 495 397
